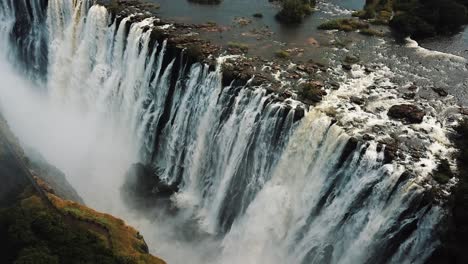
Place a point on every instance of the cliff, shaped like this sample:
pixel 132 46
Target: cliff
pixel 37 225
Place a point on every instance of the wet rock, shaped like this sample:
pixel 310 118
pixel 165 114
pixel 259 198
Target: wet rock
pixel 334 85
pixel 440 91
pixel 390 150
pixel 299 113
pixel 463 111
pixel 313 42
pixel 143 187
pixel 347 67
pixel 368 137
pixel 409 96
pixel 258 15
pixel 311 92
pixel 407 113
pixel 349 148
pixel 351 59
pixel 357 100
pixel 413 88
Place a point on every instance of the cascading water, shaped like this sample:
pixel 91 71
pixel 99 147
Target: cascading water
pixel 264 184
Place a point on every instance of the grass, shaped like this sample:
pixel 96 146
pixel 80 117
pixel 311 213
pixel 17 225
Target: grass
pixel 282 54
pixel 126 240
pixel 237 45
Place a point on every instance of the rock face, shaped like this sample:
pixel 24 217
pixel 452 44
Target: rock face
pixel 407 113
pixel 143 188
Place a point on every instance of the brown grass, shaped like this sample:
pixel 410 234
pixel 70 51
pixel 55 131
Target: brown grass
pixel 126 241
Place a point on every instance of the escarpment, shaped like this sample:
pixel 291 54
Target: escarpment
pixel 37 225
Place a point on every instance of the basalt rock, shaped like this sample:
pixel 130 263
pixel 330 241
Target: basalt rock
pixel 143 187
pixel 440 91
pixel 407 113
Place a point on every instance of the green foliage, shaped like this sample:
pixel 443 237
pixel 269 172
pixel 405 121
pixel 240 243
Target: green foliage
pixel 195 52
pixel 294 11
pixel 36 255
pixel 425 18
pixel 237 45
pixel 282 54
pixel 310 93
pixel 344 24
pixel 371 32
pixel 38 235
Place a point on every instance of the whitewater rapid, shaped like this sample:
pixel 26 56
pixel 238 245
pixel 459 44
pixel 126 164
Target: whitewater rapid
pixel 260 182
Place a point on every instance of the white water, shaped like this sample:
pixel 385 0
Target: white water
pixel 261 188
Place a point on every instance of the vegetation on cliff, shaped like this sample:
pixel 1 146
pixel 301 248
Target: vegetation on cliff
pixel 32 233
pixel 37 226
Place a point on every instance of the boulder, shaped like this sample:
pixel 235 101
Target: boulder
pixel 407 113
pixel 357 100
pixel 351 59
pixel 440 91
pixel 143 188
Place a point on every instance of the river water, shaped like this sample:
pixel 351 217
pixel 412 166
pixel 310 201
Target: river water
pixel 430 65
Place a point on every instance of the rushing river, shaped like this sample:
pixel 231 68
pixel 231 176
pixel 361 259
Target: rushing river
pixel 258 182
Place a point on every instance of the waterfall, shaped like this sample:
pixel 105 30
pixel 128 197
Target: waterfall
pixel 266 184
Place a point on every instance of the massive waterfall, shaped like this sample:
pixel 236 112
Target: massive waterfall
pixel 264 183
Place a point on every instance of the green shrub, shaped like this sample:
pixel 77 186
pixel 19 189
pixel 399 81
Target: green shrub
pixel 35 235
pixel 344 24
pixel 282 54
pixel 425 18
pixel 371 32
pixel 237 45
pixel 294 11
pixel 310 93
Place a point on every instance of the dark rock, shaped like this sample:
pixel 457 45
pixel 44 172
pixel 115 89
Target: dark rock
pixel 334 85
pixel 143 187
pixel 440 91
pixel 299 113
pixel 390 148
pixel 409 96
pixel 311 92
pixel 407 113
pixel 258 15
pixel 463 111
pixel 413 88
pixel 349 148
pixel 357 100
pixel 347 67
pixel 351 59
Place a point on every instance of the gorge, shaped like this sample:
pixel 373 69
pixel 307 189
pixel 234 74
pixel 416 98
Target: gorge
pixel 261 175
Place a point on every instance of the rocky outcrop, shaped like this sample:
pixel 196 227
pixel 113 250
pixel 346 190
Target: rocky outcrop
pixel 51 229
pixel 143 187
pixel 407 113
